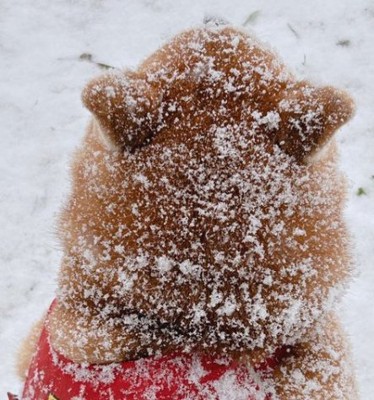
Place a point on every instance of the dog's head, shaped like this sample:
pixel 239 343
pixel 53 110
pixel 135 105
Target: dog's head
pixel 202 200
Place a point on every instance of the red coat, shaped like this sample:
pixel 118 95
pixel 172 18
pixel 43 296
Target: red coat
pixel 172 377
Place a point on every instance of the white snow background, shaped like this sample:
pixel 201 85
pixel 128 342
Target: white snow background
pixel 42 121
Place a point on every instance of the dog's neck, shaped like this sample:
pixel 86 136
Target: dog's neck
pixel 130 337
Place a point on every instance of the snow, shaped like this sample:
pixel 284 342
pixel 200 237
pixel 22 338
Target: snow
pixel 43 121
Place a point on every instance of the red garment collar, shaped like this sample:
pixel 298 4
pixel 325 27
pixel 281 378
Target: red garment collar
pixel 176 376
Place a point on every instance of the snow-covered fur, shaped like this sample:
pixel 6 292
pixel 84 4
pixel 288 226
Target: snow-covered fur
pixel 204 216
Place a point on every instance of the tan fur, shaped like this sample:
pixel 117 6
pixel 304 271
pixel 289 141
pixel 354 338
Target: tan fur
pixel 27 349
pixel 331 375
pixel 161 128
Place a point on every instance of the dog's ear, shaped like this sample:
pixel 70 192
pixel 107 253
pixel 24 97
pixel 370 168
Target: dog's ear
pixel 125 105
pixel 309 116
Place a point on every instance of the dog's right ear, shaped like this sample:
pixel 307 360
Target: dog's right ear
pixel 126 107
pixel 309 117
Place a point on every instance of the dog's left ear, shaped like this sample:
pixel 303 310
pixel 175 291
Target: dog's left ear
pixel 125 105
pixel 309 116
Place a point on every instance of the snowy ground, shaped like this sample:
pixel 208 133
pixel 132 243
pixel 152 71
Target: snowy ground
pixel 42 121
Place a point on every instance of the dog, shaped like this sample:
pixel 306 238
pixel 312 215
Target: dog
pixel 204 243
